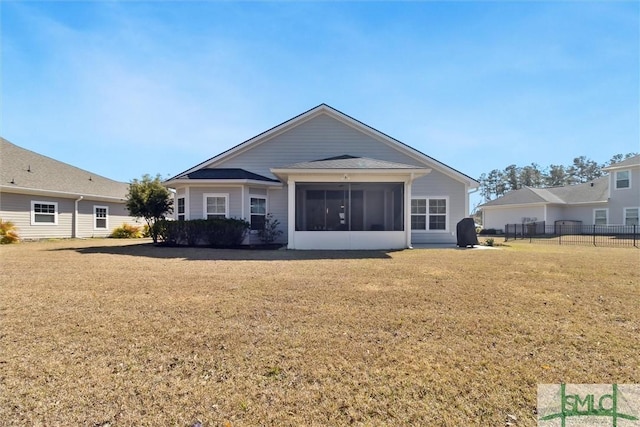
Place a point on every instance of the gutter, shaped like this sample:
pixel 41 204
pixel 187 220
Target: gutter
pixel 75 216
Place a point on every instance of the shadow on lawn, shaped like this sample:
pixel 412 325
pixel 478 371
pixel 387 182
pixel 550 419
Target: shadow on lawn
pixel 211 254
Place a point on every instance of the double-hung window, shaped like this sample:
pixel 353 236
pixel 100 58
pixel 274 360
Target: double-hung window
pixel 44 213
pixel 181 209
pixel 631 216
pixel 429 214
pixel 216 206
pixel 100 214
pixel 623 179
pixel 600 216
pixel 258 212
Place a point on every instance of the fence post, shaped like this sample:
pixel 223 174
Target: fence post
pixel 594 235
pixel 634 235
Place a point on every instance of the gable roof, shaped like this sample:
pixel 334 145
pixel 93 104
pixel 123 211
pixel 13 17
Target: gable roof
pixel 589 192
pixel 626 163
pixel 228 173
pixel 344 118
pixel 24 171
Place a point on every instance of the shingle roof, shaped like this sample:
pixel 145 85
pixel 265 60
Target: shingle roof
pixel 25 169
pixel 631 161
pixel 226 173
pixel 589 192
pixel 349 162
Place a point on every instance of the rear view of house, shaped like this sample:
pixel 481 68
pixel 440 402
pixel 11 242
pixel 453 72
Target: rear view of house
pixel 46 198
pixel 331 182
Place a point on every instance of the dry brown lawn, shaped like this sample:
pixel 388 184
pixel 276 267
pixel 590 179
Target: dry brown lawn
pixel 122 333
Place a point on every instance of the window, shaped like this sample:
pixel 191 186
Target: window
pixel 181 210
pixel 355 206
pixel 623 179
pixel 258 212
pixel 631 216
pixel 600 216
pixel 437 214
pixel 100 217
pixel 44 213
pixel 216 206
pixel 429 214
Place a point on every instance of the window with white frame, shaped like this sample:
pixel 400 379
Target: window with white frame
pixel 600 217
pixel 258 212
pixel 623 179
pixel 631 216
pixel 44 213
pixel 216 206
pixel 181 209
pixel 100 215
pixel 429 214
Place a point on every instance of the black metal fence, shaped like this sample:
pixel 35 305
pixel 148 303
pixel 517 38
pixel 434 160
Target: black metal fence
pixel 574 234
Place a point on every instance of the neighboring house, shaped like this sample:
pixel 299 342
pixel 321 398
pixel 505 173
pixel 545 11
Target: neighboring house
pixel 332 182
pixel 613 199
pixel 46 198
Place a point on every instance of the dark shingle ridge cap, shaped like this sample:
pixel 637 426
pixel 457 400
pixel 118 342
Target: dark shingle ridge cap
pixel 226 173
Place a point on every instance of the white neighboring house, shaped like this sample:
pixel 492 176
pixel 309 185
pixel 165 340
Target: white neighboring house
pixel 332 182
pixel 46 198
pixel 613 199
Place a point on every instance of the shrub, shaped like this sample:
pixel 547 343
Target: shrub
pixel 228 232
pixel 127 231
pixel 8 232
pixel 270 232
pixel 489 242
pixel 488 231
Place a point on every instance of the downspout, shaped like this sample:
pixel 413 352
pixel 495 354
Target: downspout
pixel 75 217
pixel 407 213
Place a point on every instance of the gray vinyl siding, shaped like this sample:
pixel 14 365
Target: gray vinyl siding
pixel 318 138
pixel 117 215
pixel 196 204
pixel 582 213
pixel 17 209
pixel 323 137
pixel 623 198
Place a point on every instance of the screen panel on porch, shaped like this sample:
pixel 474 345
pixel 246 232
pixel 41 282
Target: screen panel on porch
pixel 357 206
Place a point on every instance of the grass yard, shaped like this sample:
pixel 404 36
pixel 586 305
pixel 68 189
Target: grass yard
pixel 121 333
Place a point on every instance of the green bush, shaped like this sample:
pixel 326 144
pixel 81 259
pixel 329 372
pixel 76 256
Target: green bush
pixel 222 233
pixel 8 232
pixel 270 232
pixel 127 231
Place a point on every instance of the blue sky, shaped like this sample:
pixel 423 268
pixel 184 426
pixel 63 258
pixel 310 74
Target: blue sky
pixel 127 88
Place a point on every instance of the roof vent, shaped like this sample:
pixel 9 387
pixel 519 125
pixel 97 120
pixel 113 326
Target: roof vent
pixel 90 179
pixel 13 181
pixel 29 168
pixel 592 184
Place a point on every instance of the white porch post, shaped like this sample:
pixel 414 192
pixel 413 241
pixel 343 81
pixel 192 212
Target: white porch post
pixel 407 210
pixel 291 213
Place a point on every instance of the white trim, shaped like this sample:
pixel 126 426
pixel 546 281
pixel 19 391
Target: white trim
pixel 33 213
pixel 606 215
pixel 95 218
pixel 204 203
pixel 624 213
pixel 447 214
pixel 615 179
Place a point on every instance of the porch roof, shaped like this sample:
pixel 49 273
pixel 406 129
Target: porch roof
pixel 348 164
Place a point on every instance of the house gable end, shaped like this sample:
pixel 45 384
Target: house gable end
pixel 321 132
